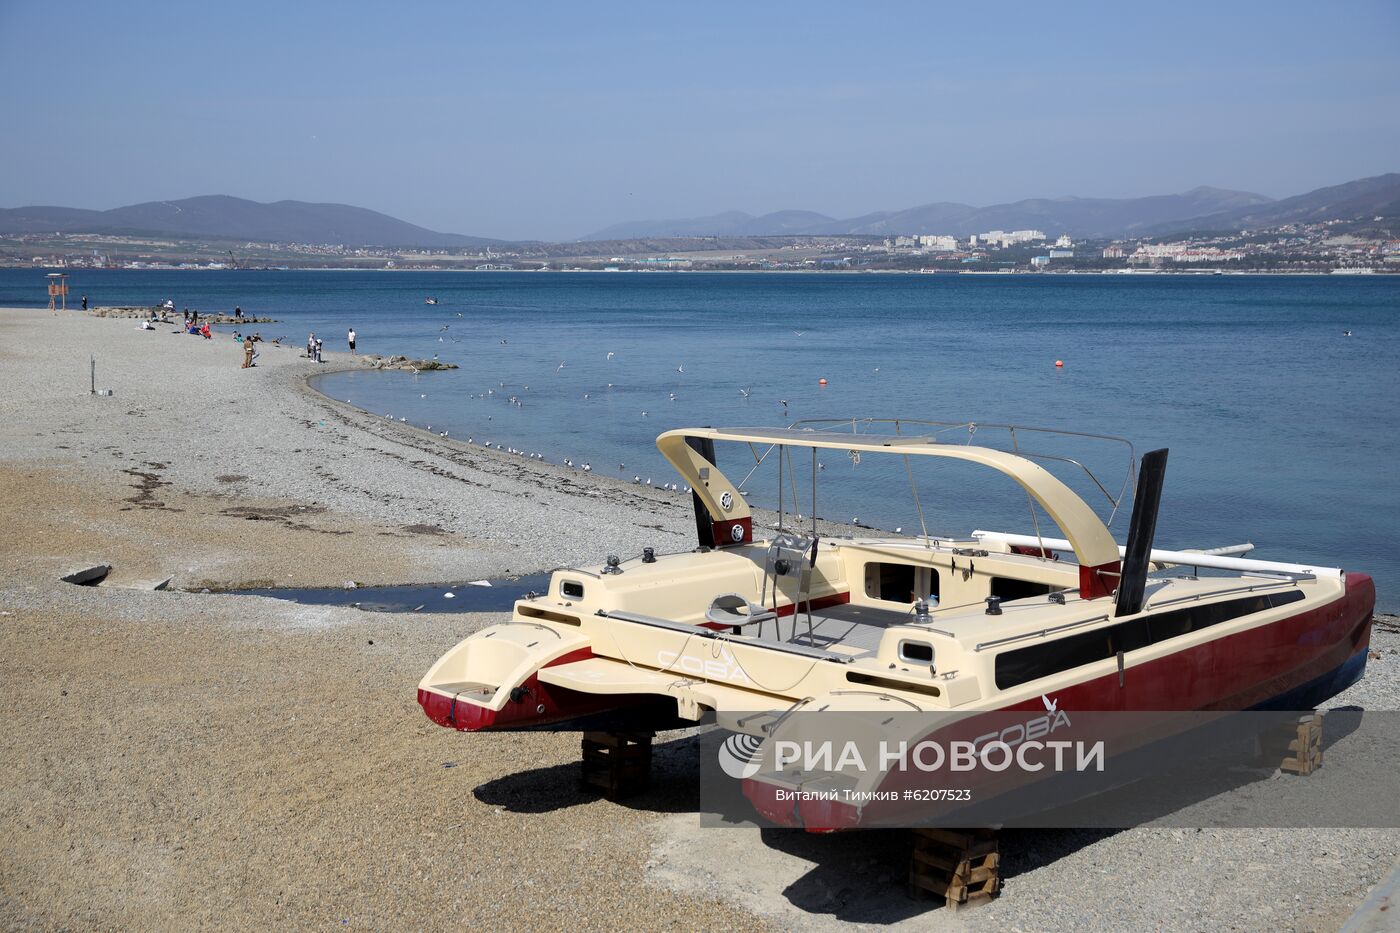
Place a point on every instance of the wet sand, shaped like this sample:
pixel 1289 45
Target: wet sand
pixel 181 759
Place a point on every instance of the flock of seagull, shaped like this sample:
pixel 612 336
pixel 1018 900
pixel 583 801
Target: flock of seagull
pixel 444 333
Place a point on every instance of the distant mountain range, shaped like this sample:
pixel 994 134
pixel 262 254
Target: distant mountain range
pixel 220 217
pixel 1363 199
pixel 1197 209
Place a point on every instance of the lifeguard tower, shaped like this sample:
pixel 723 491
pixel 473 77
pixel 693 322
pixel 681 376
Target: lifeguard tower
pixel 58 291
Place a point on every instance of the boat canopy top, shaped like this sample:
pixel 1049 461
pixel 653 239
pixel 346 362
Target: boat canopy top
pixel 1092 542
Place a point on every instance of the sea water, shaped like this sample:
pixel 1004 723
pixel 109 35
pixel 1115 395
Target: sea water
pixel 1283 431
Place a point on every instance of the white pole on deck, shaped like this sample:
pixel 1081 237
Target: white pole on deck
pixel 1180 558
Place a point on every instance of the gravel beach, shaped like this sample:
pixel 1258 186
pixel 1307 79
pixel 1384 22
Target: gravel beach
pixel 185 759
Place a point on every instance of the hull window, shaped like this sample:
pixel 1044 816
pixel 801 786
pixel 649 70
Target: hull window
pixel 1023 665
pixel 918 652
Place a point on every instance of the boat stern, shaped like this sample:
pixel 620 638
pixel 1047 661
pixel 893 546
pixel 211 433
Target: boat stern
pixel 490 680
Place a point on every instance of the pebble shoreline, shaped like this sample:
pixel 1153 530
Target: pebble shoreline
pixel 177 763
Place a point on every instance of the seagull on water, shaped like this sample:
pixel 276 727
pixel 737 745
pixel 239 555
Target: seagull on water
pixel 610 354
pixel 744 392
pixel 680 369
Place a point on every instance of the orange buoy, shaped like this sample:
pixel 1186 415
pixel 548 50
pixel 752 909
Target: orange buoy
pixel 1059 364
pixel 821 382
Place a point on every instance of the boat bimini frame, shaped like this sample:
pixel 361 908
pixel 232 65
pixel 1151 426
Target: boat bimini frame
pixel 691 452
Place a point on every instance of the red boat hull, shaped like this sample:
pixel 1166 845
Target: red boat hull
pixel 1294 663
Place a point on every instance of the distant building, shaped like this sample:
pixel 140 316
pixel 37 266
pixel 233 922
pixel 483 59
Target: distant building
pixel 1064 241
pixel 1003 239
pixel 939 244
pixel 1062 253
pixel 1040 262
pixel 1182 252
pixel 1113 252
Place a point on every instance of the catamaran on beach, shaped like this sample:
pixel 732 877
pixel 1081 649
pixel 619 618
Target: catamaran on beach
pixel 759 628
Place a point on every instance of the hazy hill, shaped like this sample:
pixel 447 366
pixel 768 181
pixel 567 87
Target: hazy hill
pixel 1363 199
pixel 1085 217
pixel 730 223
pixel 220 217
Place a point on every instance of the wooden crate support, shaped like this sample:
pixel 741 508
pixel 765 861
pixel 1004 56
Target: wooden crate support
pixel 617 763
pixel 961 866
pixel 1306 747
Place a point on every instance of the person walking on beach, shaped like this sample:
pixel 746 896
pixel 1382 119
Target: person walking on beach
pixel 248 353
pixel 85 302
pixel 318 350
pixel 311 345
pixel 351 339
pixel 237 313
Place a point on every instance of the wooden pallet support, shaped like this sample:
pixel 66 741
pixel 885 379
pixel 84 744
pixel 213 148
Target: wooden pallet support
pixel 617 763
pixel 961 866
pixel 1306 747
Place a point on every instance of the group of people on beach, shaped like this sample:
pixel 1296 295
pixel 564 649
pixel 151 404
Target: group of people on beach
pixel 193 325
pixel 313 345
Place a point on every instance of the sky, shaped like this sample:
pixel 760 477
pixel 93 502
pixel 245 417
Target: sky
pixel 550 121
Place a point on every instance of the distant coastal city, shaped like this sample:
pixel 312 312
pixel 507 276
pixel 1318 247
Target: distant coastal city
pixel 1349 228
pixel 1308 248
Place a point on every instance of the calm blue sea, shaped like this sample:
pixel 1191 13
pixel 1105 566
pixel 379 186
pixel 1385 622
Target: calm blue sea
pixel 1282 431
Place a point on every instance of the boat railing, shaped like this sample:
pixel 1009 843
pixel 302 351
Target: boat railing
pixel 1038 633
pixel 1292 580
